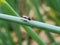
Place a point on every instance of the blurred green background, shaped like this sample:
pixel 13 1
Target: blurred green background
pixel 46 11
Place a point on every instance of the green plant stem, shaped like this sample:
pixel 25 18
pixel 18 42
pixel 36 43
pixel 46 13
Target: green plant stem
pixel 53 4
pixel 35 37
pixel 3 34
pixel 18 32
pixel 55 43
pixel 36 10
pixel 28 39
pixel 15 26
pixel 11 42
pixel 1 37
pixel 53 16
pixel 8 7
pixel 36 24
pixel 27 13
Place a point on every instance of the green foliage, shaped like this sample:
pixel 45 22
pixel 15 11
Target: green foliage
pixel 14 19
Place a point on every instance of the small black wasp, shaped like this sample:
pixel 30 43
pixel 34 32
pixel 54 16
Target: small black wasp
pixel 26 18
